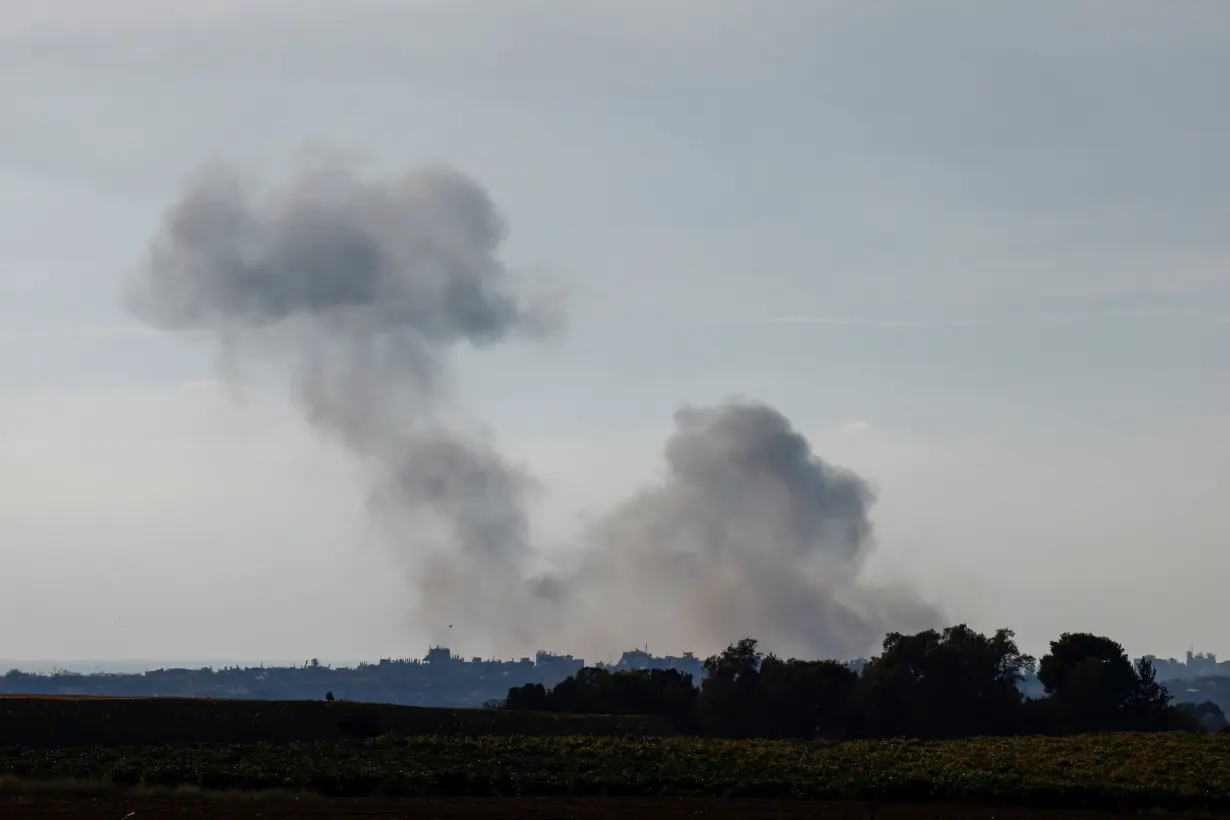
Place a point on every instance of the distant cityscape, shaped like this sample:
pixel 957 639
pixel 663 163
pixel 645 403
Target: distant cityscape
pixel 1196 665
pixel 442 678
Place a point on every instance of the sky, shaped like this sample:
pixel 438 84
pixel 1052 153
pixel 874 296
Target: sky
pixel 976 253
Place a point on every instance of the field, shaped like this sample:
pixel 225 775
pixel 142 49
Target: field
pixel 514 809
pixel 110 757
pixel 1113 772
pixel 71 720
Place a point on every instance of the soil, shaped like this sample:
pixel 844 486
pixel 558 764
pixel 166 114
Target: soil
pixel 44 808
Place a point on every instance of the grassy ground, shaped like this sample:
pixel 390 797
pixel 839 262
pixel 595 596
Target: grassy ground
pixel 1120 772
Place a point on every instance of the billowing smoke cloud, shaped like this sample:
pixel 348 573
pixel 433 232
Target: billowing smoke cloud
pixel 749 533
pixel 358 288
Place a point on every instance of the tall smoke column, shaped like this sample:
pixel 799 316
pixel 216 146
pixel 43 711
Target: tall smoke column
pixel 358 288
pixel 749 534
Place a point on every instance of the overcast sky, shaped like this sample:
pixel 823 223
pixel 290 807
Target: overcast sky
pixel 976 252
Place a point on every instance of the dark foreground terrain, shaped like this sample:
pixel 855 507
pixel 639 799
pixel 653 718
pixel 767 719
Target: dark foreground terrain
pixel 1121 772
pixel 136 759
pixel 513 809
pixel 58 721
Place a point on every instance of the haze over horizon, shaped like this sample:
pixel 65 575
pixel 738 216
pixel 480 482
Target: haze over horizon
pixel 973 256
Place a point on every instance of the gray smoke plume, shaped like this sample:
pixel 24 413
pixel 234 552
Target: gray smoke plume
pixel 749 533
pixel 359 288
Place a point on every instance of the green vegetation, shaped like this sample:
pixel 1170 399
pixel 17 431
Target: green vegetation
pixel 1122 771
pixel 931 685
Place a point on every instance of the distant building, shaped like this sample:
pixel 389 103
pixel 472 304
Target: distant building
pixel 687 663
pixel 1194 665
pixel 557 666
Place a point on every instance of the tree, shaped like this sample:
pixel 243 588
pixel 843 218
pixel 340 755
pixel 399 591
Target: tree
pixel 665 692
pixel 1202 717
pixel 1148 707
pixel 730 694
pixel 1093 686
pixel 805 699
pixel 950 684
pixel 530 697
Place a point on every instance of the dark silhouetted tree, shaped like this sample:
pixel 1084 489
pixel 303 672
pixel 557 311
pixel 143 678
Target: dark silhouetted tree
pixel 932 684
pixel 1093 686
pixel 805 699
pixel 530 697
pixel 1204 717
pixel 729 702
pixel 665 692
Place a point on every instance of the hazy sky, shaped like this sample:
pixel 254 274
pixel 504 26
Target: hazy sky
pixel 977 252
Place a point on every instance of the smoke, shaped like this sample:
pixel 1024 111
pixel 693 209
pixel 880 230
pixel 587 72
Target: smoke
pixel 357 288
pixel 749 533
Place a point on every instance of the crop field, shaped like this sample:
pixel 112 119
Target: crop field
pixel 1108 772
pixel 69 720
pixel 514 809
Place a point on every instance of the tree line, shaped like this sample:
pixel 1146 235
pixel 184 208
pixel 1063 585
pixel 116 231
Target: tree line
pixel 933 684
